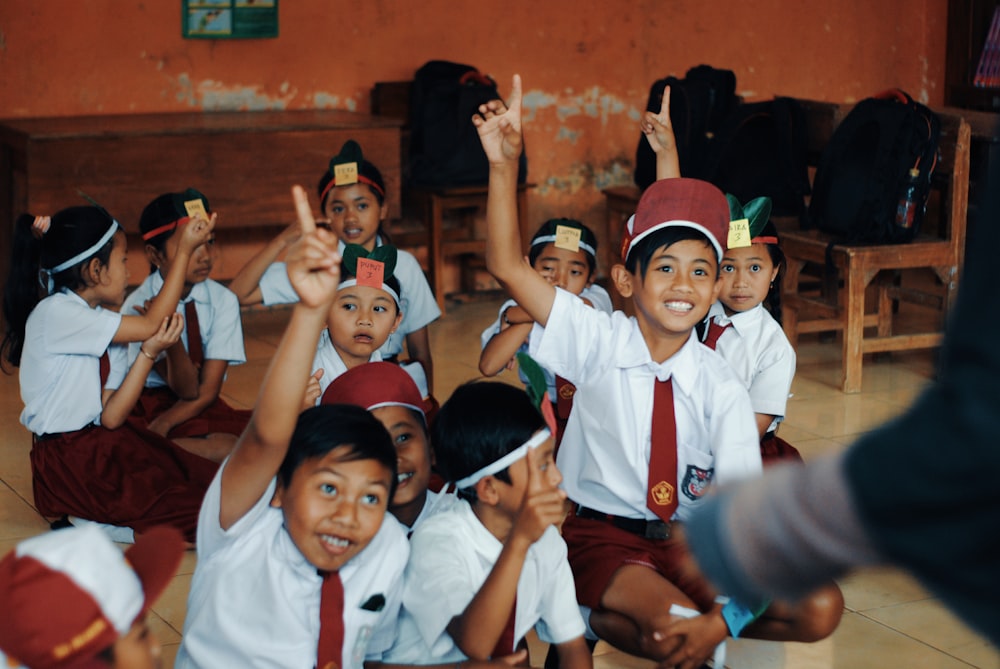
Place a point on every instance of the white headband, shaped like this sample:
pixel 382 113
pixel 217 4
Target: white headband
pixel 83 255
pixel 506 461
pixel 353 282
pixel 551 239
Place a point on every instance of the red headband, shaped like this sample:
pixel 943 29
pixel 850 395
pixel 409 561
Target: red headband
pixel 764 240
pixel 361 179
pixel 156 232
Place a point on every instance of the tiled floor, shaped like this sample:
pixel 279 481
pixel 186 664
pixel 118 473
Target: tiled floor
pixel 890 620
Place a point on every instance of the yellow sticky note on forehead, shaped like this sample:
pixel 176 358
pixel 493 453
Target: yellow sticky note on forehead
pixel 196 208
pixel 345 174
pixel 567 238
pixel 371 273
pixel 739 234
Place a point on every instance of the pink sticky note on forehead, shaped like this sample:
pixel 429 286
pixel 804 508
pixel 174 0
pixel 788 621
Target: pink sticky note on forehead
pixel 370 272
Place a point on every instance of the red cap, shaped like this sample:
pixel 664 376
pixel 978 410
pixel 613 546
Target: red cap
pixel 373 385
pixel 67 595
pixel 690 203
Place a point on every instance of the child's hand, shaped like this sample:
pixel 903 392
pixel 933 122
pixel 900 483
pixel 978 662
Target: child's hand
pixel 313 263
pixel 166 336
pixel 196 232
pixel 657 128
pixel 542 504
pixel 312 390
pixel 696 639
pixel 141 309
pixel 499 126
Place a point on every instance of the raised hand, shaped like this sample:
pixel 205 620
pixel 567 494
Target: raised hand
pixel 657 128
pixel 197 231
pixel 542 504
pixel 499 126
pixel 313 263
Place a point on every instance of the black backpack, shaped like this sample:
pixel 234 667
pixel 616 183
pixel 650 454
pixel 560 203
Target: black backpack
pixel 444 145
pixel 699 103
pixel 760 149
pixel 864 171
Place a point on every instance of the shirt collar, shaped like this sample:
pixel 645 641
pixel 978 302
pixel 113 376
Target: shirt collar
pixel 681 366
pixel 742 322
pixel 199 291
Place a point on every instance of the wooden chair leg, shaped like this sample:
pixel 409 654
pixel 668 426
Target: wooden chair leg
pixel 435 256
pixel 856 282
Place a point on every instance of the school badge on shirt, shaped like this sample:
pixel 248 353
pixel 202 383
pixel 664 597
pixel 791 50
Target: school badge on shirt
pixel 696 482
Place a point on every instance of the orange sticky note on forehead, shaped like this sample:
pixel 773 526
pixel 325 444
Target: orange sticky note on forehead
pixel 739 234
pixel 567 238
pixel 370 272
pixel 345 174
pixel 195 208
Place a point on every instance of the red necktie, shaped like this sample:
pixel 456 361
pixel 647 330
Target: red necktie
pixel 105 368
pixel 505 646
pixel 661 495
pixel 195 350
pixel 331 622
pixel 714 332
pixel 564 397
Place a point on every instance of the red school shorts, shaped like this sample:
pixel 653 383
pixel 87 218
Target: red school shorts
pixel 598 549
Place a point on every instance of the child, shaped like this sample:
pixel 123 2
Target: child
pixel 353 201
pixel 86 460
pixel 563 251
pixel 364 313
pixel 392 397
pixel 293 509
pixel 72 599
pixel 657 416
pixel 299 565
pixel 181 399
pixel 746 334
pixel 485 571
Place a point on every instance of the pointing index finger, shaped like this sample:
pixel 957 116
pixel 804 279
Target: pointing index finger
pixel 515 94
pixel 303 211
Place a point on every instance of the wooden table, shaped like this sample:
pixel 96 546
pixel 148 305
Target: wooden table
pixel 245 162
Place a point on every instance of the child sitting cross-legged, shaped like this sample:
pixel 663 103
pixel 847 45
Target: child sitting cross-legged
pixel 657 418
pixel 485 571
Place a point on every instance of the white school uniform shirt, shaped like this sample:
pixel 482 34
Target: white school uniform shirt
pixel 416 299
pixel 451 554
pixel 59 374
pixel 604 456
pixel 330 362
pixel 759 352
pixel 597 296
pixel 219 321
pixel 254 599
pixel 434 503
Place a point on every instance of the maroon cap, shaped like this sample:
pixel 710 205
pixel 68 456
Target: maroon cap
pixel 373 385
pixel 65 596
pixel 690 203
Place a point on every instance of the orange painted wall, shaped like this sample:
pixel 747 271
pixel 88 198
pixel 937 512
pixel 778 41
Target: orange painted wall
pixel 587 64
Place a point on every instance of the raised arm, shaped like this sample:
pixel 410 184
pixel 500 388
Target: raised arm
pixel 141 327
pixel 659 133
pixel 314 271
pixel 246 283
pixel 499 130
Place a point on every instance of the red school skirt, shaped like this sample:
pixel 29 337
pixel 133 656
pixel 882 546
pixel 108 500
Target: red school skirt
pixel 129 477
pixel 216 417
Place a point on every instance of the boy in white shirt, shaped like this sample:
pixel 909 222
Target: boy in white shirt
pixel 485 571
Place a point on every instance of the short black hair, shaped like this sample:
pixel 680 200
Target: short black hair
pixel 324 428
pixel 480 423
pixel 548 228
pixel 642 253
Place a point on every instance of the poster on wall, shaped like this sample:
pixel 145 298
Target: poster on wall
pixel 229 19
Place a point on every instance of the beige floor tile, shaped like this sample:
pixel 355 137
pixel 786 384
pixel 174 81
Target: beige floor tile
pixel 862 643
pixel 172 604
pixel 877 587
pixel 929 621
pixel 169 654
pixel 164 632
pixel 18 519
pixel 853 414
pixel 814 448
